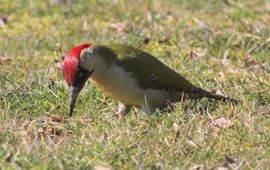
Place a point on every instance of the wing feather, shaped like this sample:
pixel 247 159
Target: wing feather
pixel 151 72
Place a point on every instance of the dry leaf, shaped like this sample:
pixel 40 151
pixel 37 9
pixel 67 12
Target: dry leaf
pixel 48 131
pixel 40 131
pixel 192 55
pixel 197 167
pixel 202 24
pixel 192 144
pixel 218 92
pixel 196 53
pixel 4 59
pixel 222 123
pixel 56 118
pixel 101 168
pixel 231 163
pixel 176 129
pixel 9 157
pixel 3 20
pixel 105 137
pixel 222 168
pixel 164 39
pixel 118 26
pixel 249 60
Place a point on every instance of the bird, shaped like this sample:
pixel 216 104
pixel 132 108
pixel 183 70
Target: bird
pixel 130 75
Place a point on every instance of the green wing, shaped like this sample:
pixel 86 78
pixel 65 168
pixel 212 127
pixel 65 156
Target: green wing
pixel 151 72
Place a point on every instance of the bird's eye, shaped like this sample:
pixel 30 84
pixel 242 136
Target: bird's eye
pixel 80 75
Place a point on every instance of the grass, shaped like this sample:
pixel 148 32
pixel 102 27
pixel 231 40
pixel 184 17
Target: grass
pixel 218 45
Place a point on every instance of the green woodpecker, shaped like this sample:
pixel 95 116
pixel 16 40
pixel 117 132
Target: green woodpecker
pixel 130 75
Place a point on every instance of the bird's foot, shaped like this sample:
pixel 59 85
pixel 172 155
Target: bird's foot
pixel 170 106
pixel 123 109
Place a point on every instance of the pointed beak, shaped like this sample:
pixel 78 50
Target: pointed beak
pixel 74 91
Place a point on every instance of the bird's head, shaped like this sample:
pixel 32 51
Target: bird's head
pixel 74 74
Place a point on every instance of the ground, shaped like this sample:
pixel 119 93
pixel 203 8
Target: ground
pixel 221 46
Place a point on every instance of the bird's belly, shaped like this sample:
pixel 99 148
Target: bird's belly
pixel 127 95
pixel 123 86
pixel 120 84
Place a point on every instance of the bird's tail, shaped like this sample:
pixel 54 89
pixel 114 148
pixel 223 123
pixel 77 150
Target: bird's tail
pixel 198 93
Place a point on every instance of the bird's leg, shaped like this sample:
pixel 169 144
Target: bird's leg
pixel 123 109
pixel 148 108
pixel 170 106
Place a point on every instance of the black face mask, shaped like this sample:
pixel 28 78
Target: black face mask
pixel 81 76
